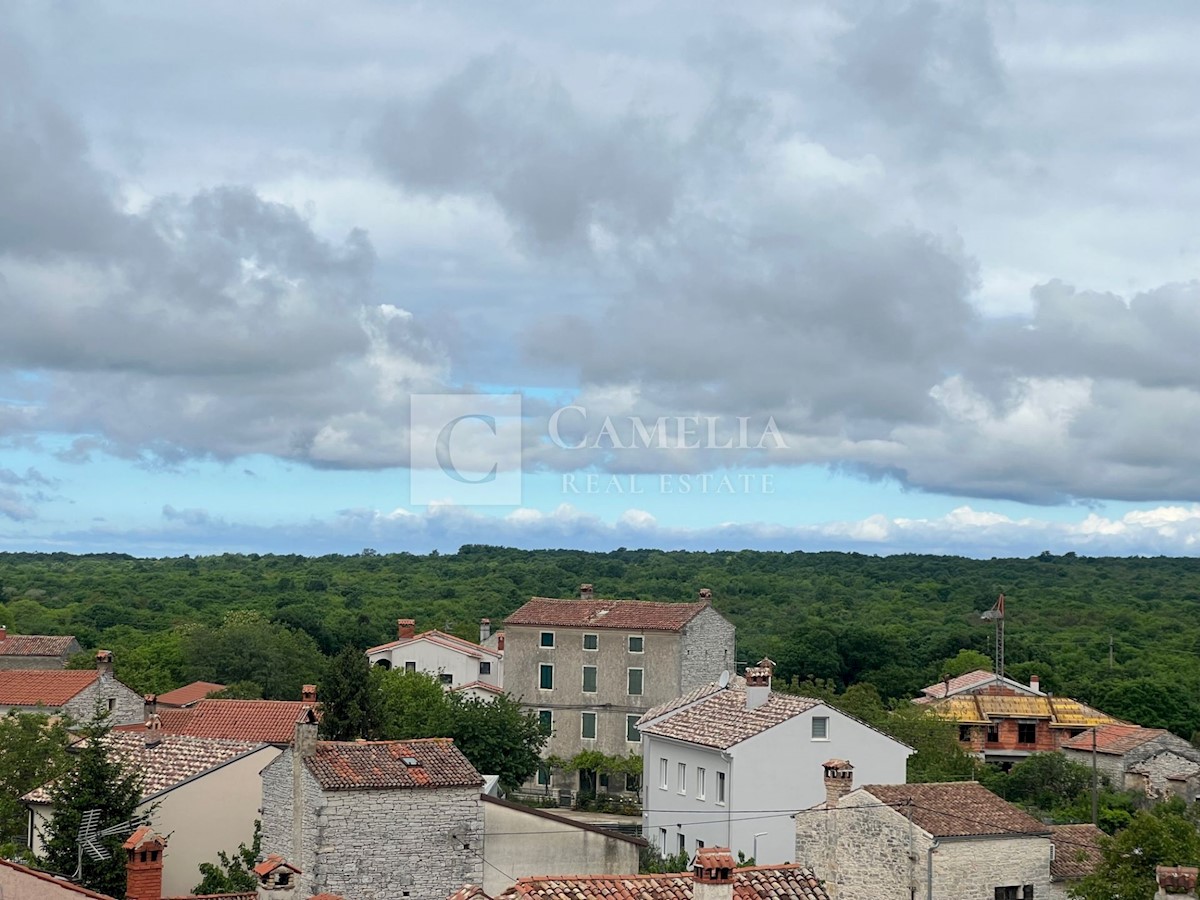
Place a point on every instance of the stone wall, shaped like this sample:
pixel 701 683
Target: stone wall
pixel 288 830
pixel 1107 764
pixel 973 869
pixel 127 707
pixel 706 650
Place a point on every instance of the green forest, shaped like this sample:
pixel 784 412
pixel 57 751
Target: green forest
pixel 1122 634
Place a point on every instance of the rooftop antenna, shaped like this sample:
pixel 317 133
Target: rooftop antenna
pixel 90 835
pixel 996 614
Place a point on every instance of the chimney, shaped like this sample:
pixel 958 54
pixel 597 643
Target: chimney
pixel 500 641
pixel 712 874
pixel 1175 881
pixel 149 706
pixel 839 781
pixel 758 686
pixel 153 733
pixel 104 663
pixel 1035 683
pixel 705 595
pixel 3 632
pixel 144 865
pixel 304 741
pixel 585 592
pixel 308 693
pixel 304 745
pixel 485 629
pixel 406 628
pixel 277 878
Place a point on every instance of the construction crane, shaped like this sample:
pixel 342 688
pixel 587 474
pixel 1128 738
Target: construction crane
pixel 996 614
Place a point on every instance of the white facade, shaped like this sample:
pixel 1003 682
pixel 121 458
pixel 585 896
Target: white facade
pixel 451 659
pixel 767 778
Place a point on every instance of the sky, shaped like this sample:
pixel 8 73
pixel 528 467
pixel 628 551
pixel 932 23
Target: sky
pixel 879 277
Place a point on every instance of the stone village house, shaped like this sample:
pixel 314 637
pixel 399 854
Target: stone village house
pixel 591 668
pixel 36 651
pixel 70 692
pixel 458 664
pixel 1151 761
pixel 716 758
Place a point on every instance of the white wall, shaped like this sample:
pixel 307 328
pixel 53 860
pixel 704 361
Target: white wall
pixel 770 776
pixel 436 658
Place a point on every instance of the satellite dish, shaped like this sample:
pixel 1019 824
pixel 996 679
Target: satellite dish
pixel 723 681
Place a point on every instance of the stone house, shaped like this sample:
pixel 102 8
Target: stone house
pixel 202 792
pixel 713 877
pixel 261 721
pixel 374 820
pixel 1002 721
pixel 70 692
pixel 455 662
pixel 952 841
pixel 591 668
pixel 715 759
pixel 36 651
pixel 1151 761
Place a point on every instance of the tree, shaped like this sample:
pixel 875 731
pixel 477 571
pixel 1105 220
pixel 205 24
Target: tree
pixel 97 780
pixel 1046 781
pixel 411 705
pixel 1164 835
pixel 248 647
pixel 32 752
pixel 966 661
pixel 232 874
pixel 349 698
pixel 498 737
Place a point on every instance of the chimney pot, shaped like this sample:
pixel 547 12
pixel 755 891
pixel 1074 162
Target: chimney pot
pixel 153 731
pixel 144 865
pixel 1176 879
pixel 1035 682
pixel 500 641
pixel 585 592
pixel 839 780
pixel 405 628
pixel 308 693
pixel 758 686
pixel 713 865
pixel 485 629
pixel 705 595
pixel 304 742
pixel 104 662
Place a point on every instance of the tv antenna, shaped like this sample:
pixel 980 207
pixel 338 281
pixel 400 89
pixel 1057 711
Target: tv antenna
pixel 91 836
pixel 996 614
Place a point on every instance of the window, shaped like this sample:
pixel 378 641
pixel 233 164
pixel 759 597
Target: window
pixel 682 843
pixel 543 775
pixel 445 678
pixel 1013 892
pixel 547 639
pixel 546 720
pixel 589 679
pixel 820 728
pixel 964 733
pixel 700 782
pixel 662 840
pixel 662 773
pixel 546 677
pixel 993 735
pixel 587 725
pixel 721 788
pixel 410 666
pixel 591 642
pixel 635 682
pixel 633 783
pixel 636 643
pixel 682 778
pixel 699 845
pixel 112 704
pixel 631 730
pixel 1026 732
pixel 485 668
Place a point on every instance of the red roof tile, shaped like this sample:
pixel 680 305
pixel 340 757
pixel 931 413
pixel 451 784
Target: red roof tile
pixel 783 882
pixel 721 718
pixel 479 685
pixel 451 641
pixel 633 615
pixel 270 721
pixel 62 883
pixel 1076 851
pixel 959 683
pixel 381 765
pixel 189 693
pixel 1114 739
pixel 956 809
pixel 43 687
pixel 36 644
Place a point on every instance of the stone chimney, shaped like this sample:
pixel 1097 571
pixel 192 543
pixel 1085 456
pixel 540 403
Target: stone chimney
pixel 705 595
pixel 304 741
pixel 144 865
pixel 304 745
pixel 839 780
pixel 712 874
pixel 149 706
pixel 104 663
pixel 758 686
pixel 308 693
pixel 586 592
pixel 405 628
pixel 500 641
pixel 277 878
pixel 485 629
pixel 1175 881
pixel 153 731
pixel 1035 683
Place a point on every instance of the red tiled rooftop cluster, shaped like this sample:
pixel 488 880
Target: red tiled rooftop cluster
pixel 633 615
pixel 381 765
pixel 43 687
pixel 782 882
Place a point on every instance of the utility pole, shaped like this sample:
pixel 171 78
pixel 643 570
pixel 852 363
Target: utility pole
pixel 1095 783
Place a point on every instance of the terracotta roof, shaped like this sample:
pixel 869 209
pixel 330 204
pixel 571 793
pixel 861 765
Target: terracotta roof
pixel 980 709
pixel 633 615
pixel 1115 739
pixel 783 882
pixel 43 687
pixel 469 892
pixel 479 685
pixel 959 683
pixel 189 693
pixel 174 760
pixel 451 641
pixel 956 809
pixel 271 863
pixel 390 765
pixel 721 718
pixel 36 644
pixel 61 883
pixel 1076 851
pixel 259 721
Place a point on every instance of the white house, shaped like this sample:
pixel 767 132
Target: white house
pixel 456 663
pixel 729 766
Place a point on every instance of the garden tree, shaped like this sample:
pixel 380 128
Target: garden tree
pixel 349 698
pixel 32 752
pixel 1164 835
pixel 1043 781
pixel 95 780
pixel 232 874
pixel 498 737
pixel 411 705
pixel 248 647
pixel 966 661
